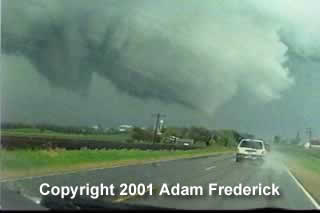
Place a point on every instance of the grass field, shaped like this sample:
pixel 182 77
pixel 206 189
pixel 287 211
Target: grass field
pixel 305 165
pixel 39 162
pixel 34 132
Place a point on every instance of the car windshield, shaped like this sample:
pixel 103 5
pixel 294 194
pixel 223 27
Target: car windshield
pixel 251 144
pixel 143 103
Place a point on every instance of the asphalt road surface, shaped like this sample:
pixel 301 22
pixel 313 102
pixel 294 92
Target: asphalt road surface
pixel 221 169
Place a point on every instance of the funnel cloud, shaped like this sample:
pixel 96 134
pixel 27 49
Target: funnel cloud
pixel 194 57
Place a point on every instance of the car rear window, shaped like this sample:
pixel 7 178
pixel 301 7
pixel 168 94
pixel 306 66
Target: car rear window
pixel 251 144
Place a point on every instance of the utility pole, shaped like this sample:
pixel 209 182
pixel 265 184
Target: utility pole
pixel 309 133
pixel 156 126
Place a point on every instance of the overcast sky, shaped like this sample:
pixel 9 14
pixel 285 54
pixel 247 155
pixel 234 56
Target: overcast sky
pixel 248 65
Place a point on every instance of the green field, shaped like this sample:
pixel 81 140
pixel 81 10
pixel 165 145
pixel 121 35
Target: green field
pixel 305 165
pixel 34 132
pixel 38 162
pixel 24 162
pixel 309 159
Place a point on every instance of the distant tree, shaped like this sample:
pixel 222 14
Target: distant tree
pixel 199 134
pixel 129 140
pixel 247 135
pixel 297 139
pixel 215 137
pixel 141 134
pixel 111 131
pixel 12 125
pixel 276 139
pixel 285 141
pixel 100 128
pixel 185 132
pixel 227 137
pixel 208 143
pixel 170 132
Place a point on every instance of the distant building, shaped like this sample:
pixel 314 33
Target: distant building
pixel 184 141
pixel 125 128
pixel 180 141
pixel 315 143
pixel 95 127
pixel 172 139
pixel 312 144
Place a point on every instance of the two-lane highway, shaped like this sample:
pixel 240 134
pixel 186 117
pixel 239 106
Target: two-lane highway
pixel 229 173
pixel 221 169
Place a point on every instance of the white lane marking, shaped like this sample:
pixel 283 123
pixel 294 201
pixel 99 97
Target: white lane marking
pixel 36 200
pixel 212 167
pixel 314 202
pixel 40 176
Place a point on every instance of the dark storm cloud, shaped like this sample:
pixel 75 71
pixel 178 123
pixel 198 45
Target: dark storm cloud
pixel 149 49
pixel 60 47
pixel 129 57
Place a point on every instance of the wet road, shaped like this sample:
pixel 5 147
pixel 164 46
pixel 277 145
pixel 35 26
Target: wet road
pixel 221 169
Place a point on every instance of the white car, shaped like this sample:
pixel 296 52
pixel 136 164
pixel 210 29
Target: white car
pixel 251 149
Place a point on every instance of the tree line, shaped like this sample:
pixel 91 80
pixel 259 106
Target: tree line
pixel 225 137
pixel 198 134
pixel 51 127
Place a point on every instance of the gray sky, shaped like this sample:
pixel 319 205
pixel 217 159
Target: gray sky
pixel 252 66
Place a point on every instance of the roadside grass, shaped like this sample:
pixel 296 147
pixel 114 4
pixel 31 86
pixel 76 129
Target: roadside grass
pixel 305 165
pixel 51 134
pixel 18 163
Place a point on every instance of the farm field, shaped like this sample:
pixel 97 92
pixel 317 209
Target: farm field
pixel 16 163
pixel 304 164
pixel 34 132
